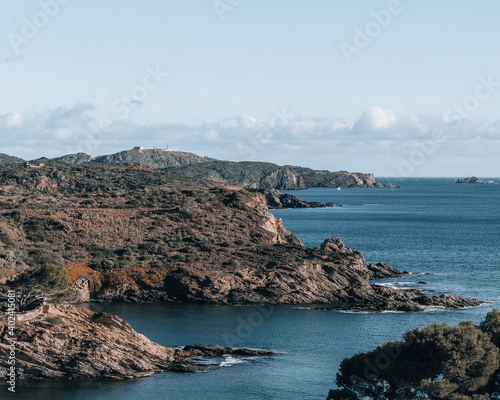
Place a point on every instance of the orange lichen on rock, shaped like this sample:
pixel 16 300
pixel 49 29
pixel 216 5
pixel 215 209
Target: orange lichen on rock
pixel 132 276
pixel 79 269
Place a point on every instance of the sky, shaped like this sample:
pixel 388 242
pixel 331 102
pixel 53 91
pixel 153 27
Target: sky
pixel 394 87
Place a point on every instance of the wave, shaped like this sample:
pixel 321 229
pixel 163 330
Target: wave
pixel 398 285
pixel 423 273
pixel 230 361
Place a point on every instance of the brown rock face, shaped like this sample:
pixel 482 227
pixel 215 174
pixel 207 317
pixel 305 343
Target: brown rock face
pixel 70 342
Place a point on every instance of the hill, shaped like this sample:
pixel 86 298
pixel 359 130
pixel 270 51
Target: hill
pixel 5 158
pixel 155 158
pixel 249 174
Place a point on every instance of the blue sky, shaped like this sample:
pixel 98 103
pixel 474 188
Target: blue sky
pixel 401 88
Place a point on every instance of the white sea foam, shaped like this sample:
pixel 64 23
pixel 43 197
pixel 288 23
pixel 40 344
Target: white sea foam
pixel 435 309
pixel 230 360
pixel 355 312
pixel 397 285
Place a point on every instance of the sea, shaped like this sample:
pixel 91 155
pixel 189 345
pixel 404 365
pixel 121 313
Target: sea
pixel 444 234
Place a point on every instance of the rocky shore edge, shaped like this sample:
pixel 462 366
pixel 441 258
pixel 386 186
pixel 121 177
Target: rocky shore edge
pixel 68 342
pixel 279 201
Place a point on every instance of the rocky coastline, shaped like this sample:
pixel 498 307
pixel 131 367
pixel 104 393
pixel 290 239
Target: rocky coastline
pixel 68 342
pixel 279 201
pixel 129 233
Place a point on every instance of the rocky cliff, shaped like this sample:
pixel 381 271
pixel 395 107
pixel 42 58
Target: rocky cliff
pixel 132 233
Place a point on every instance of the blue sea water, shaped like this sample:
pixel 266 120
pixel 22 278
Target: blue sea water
pixel 430 226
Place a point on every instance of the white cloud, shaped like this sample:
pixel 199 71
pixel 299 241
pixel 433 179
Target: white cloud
pixel 374 142
pixel 375 117
pixel 14 120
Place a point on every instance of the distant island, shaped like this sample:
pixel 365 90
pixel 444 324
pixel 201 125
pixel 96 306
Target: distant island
pixel 475 180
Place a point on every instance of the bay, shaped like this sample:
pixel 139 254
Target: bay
pixel 431 226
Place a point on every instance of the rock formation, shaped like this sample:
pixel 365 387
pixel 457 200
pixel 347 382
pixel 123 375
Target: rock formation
pixel 277 200
pixel 69 342
pixel 475 180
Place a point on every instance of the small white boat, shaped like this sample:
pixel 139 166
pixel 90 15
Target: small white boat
pixel 338 188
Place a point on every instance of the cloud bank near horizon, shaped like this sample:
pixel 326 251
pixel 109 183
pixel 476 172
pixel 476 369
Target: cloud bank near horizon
pixel 377 141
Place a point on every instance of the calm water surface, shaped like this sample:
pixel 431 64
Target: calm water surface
pixel 429 226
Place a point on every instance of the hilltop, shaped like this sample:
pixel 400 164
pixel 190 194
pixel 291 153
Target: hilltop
pixel 132 233
pixel 5 158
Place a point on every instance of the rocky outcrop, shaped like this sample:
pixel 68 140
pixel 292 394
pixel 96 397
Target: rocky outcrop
pixel 70 342
pixel 474 180
pixel 388 299
pixel 333 275
pixel 277 200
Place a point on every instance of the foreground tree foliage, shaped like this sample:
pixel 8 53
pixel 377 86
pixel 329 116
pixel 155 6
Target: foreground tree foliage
pixel 437 362
pixel 47 281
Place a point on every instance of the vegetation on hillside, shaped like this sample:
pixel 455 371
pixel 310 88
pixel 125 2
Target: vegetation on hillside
pixel 262 175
